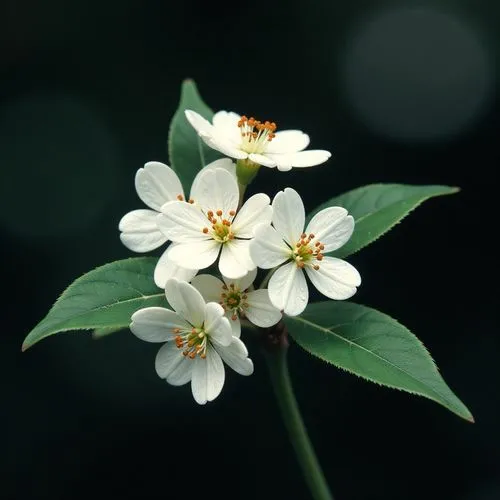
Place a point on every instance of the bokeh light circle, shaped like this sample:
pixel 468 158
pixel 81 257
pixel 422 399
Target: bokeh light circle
pixel 416 74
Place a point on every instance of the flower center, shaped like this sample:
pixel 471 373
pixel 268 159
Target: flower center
pixel 193 342
pixel 307 251
pixel 234 300
pixel 255 135
pixel 220 229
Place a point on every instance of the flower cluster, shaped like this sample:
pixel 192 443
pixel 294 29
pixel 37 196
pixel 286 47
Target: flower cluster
pixel 214 231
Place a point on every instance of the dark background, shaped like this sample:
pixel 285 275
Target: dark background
pixel 398 91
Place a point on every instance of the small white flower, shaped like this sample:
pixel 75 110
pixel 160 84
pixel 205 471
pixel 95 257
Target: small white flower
pixel 197 339
pixel 238 301
pixel 328 230
pixel 243 138
pixel 200 231
pixel 157 184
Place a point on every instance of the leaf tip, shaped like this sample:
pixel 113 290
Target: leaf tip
pixel 25 346
pixel 469 418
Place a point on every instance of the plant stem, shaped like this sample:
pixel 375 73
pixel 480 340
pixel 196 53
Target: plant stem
pixel 280 378
pixel 242 188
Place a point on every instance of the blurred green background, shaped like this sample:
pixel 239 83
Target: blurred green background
pixel 398 91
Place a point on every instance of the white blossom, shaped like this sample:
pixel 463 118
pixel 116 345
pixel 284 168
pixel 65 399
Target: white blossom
pixel 197 339
pixel 239 300
pixel 214 225
pixel 157 184
pixel 244 138
pixel 303 250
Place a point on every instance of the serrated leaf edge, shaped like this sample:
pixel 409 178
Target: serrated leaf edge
pixel 26 345
pixel 467 416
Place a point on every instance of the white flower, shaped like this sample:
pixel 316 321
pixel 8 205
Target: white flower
pixel 196 335
pixel 328 230
pixel 238 301
pixel 157 184
pixel 240 137
pixel 199 235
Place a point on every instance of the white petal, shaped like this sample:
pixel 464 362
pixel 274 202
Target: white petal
pixel 224 163
pixel 260 311
pixel 244 282
pixel 199 123
pixel 209 286
pixel 235 260
pixel 220 143
pixel 300 159
pixel 156 184
pixel 288 289
pixel 226 125
pixel 182 222
pixel 208 377
pixel 335 278
pixel 186 301
pixel 235 325
pixel 156 324
pixel 216 324
pixel 268 249
pixel 263 160
pixel 236 357
pixel 256 210
pixel 332 226
pixel 213 137
pixel 170 364
pixel 283 162
pixel 182 373
pixel 166 269
pixel 140 232
pixel 288 141
pixel 195 255
pixel 216 189
pixel 289 215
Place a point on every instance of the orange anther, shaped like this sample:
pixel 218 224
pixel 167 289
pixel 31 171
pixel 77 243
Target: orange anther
pixel 232 212
pixel 319 256
pixel 316 267
pixel 191 201
pixel 180 197
pixel 219 212
pixel 205 230
pixel 234 317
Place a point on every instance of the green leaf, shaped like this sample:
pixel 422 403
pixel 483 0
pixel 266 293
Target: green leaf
pixel 376 208
pixel 187 152
pixel 104 298
pixel 100 333
pixel 374 346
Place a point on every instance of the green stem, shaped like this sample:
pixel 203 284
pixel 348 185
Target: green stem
pixel 242 188
pixel 280 378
